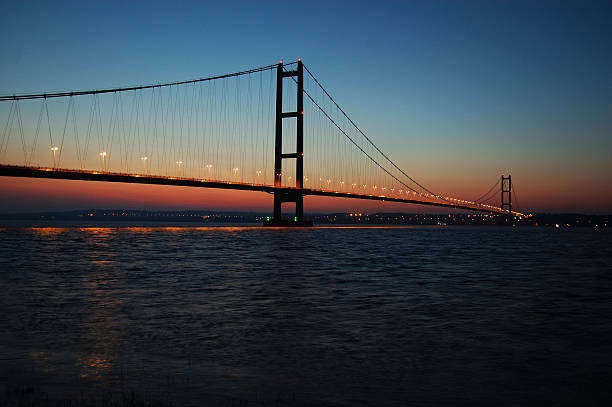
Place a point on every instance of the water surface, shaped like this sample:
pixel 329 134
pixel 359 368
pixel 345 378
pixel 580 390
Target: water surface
pixel 323 316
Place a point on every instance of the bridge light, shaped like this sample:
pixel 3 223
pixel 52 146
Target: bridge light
pixel 299 59
pixel 280 62
pixel 103 155
pixel 54 149
pixel 144 164
pixel 295 218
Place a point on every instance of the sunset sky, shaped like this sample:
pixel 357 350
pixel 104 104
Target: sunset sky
pixel 455 92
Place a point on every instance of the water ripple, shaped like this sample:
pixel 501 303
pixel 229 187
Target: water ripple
pixel 322 316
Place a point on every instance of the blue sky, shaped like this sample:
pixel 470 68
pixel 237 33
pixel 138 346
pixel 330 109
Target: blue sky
pixel 457 91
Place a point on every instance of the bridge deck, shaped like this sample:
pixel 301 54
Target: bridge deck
pixel 60 173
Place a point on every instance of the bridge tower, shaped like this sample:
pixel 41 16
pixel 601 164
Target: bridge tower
pixel 289 195
pixel 506 192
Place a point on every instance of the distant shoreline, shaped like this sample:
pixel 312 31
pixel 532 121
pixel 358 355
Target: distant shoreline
pixel 213 218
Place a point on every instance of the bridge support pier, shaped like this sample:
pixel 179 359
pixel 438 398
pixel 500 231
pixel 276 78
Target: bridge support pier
pixel 298 220
pixel 290 194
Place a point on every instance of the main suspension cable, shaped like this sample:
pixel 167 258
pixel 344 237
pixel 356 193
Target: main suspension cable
pixel 356 145
pixel 159 85
pixel 487 193
pixel 366 137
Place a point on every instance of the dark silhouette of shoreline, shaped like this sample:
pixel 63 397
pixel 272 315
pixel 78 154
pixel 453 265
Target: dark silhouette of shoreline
pixel 193 217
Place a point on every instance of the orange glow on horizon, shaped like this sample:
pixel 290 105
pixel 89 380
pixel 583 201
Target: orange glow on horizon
pixel 41 195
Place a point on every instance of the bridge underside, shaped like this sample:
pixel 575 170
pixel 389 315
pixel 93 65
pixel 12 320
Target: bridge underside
pixel 37 172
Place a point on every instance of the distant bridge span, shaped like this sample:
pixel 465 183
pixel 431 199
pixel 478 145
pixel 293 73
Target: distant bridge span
pixel 83 175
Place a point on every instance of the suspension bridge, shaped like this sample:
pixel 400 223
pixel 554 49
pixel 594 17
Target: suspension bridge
pixel 272 129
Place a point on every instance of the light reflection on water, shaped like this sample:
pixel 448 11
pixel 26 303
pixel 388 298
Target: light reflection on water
pixel 48 231
pixel 321 316
pixel 93 366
